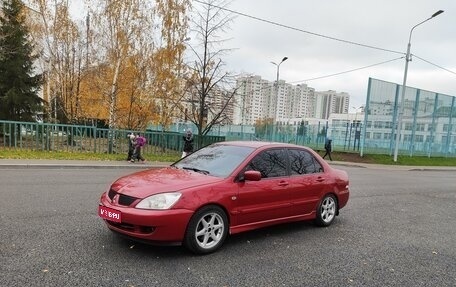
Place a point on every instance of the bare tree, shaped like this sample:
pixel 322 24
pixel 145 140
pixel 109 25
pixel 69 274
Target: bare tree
pixel 210 88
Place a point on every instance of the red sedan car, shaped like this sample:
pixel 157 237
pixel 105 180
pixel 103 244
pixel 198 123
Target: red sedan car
pixel 227 187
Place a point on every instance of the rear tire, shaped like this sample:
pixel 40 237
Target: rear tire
pixel 207 230
pixel 326 211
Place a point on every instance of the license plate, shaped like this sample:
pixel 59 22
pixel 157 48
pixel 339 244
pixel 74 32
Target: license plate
pixel 109 214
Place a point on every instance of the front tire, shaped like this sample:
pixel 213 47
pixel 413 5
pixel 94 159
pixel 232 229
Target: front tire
pixel 327 210
pixel 207 230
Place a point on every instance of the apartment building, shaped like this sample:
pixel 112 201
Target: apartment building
pixel 301 102
pixel 331 102
pixel 253 100
pixel 259 99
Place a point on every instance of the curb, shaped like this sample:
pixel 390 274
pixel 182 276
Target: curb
pixel 80 164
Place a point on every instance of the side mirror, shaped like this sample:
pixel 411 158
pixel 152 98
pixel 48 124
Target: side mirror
pixel 252 175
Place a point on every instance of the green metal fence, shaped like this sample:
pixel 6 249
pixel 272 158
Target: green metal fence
pixel 428 126
pixel 428 129
pixel 77 138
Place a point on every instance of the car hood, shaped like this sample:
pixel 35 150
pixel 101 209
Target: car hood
pixel 153 181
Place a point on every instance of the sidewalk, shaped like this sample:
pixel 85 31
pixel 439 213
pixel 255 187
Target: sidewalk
pixel 51 163
pixel 38 163
pixel 392 167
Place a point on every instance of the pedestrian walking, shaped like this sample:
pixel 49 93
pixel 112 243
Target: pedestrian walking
pixel 328 148
pixel 131 146
pixel 138 142
pixel 188 143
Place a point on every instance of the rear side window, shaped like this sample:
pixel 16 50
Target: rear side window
pixel 303 162
pixel 271 163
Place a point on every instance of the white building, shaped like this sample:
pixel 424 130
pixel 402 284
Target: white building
pixel 301 102
pixel 252 100
pixel 259 99
pixel 330 102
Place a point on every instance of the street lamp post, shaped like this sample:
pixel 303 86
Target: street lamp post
pixel 276 99
pixel 357 125
pixel 407 59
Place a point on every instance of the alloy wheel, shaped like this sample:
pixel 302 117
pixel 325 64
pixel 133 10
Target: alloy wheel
pixel 328 209
pixel 209 230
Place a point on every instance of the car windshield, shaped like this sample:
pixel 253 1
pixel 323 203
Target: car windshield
pixel 216 160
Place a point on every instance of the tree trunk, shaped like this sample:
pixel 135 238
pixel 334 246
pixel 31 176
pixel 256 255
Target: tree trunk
pixel 112 106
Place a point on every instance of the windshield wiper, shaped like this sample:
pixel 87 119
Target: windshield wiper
pixel 196 169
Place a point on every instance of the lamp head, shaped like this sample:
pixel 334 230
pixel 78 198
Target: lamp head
pixel 437 13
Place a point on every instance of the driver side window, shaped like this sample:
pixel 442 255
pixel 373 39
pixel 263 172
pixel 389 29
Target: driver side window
pixel 270 163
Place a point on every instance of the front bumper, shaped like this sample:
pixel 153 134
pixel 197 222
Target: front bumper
pixel 154 226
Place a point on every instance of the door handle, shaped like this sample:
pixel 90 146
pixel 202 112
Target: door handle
pixel 283 183
pixel 320 179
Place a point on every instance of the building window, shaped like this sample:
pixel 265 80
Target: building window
pixel 419 138
pixel 408 126
pixel 420 127
pixel 377 136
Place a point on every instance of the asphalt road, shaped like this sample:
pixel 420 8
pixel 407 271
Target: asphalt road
pixel 399 229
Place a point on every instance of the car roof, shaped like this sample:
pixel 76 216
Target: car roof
pixel 258 144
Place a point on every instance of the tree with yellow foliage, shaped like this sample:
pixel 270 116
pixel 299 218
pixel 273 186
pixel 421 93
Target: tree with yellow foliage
pixel 125 66
pixel 60 45
pixel 124 30
pixel 168 65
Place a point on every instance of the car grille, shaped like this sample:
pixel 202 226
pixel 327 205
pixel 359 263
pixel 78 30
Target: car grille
pixel 123 199
pixel 132 228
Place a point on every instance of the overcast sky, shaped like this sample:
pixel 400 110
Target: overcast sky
pixel 384 24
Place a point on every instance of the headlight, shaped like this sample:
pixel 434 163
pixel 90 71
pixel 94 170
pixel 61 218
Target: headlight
pixel 159 201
